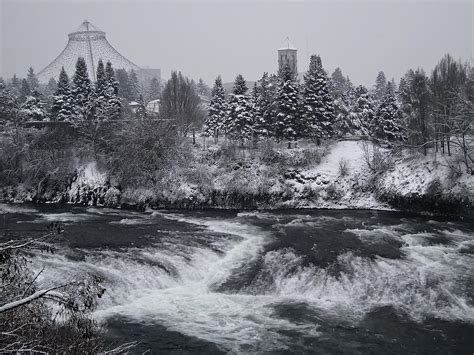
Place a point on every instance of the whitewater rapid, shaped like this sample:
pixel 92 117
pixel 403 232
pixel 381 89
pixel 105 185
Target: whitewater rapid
pixel 220 280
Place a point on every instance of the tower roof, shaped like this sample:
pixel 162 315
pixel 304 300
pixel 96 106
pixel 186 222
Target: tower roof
pixel 287 45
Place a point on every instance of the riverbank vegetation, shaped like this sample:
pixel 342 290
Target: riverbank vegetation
pixel 318 142
pixel 44 320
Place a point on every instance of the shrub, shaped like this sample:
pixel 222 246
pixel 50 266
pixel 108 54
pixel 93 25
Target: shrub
pixel 376 160
pixel 333 192
pixel 434 188
pixel 30 324
pixel 343 167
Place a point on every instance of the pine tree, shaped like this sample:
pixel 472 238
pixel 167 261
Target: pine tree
pixel 32 80
pixel 141 109
pixel 240 86
pixel 113 101
pixel 318 101
pixel 388 124
pixel 239 123
pixel 217 110
pixel 15 85
pixel 15 82
pixel 202 88
pixel 81 90
pixel 344 97
pixel 24 90
pixel 288 123
pixel 124 85
pixel 362 112
pixel 100 95
pixel 32 109
pixel 63 107
pixel 264 108
pixel 134 85
pixel 101 82
pixel 8 105
pixel 338 84
pixel 51 87
pixel 154 89
pixel 380 86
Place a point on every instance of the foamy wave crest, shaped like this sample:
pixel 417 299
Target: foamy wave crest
pixel 4 209
pixel 63 217
pixel 430 282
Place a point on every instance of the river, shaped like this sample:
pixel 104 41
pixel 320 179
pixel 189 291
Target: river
pixel 322 281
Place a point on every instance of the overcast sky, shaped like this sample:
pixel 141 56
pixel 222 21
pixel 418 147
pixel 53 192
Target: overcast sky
pixel 207 38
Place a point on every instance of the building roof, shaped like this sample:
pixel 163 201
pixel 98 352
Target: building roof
pixel 287 45
pixel 86 26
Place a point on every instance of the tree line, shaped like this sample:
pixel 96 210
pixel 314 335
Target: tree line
pixel 71 99
pixel 422 111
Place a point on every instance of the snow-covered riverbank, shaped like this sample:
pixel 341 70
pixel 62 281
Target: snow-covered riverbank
pixel 333 176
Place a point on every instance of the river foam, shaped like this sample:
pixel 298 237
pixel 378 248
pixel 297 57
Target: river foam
pixel 179 281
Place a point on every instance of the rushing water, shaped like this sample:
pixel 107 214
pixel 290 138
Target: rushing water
pixel 270 281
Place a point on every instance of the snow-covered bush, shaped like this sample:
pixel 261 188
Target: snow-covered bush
pixel 333 193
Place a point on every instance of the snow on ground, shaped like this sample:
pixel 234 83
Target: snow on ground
pixel 350 151
pixel 416 175
pixel 328 189
pixel 88 176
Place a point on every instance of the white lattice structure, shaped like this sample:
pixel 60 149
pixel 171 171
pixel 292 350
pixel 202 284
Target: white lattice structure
pixel 88 42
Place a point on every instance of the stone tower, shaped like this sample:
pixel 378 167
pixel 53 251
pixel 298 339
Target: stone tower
pixel 287 56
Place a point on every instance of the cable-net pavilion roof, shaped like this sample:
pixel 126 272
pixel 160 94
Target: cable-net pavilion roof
pixel 89 42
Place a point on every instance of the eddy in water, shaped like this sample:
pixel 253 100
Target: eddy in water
pixel 276 281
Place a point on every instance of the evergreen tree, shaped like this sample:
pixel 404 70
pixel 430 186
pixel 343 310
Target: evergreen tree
pixel 110 75
pixel 239 125
pixel 134 85
pixel 141 109
pixel 32 80
pixel 124 85
pixel 202 88
pixel 81 90
pixel 154 89
pixel 15 85
pixel 288 123
pixel 24 90
pixel 338 84
pixel 113 101
pixel 217 110
pixel 318 101
pixel 101 83
pixel 264 108
pixel 362 112
pixel 388 124
pixel 63 106
pixel 8 105
pixel 100 96
pixel 240 86
pixel 15 82
pixel 32 109
pixel 380 86
pixel 51 87
pixel 415 104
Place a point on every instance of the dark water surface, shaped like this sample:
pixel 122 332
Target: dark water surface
pixel 327 281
